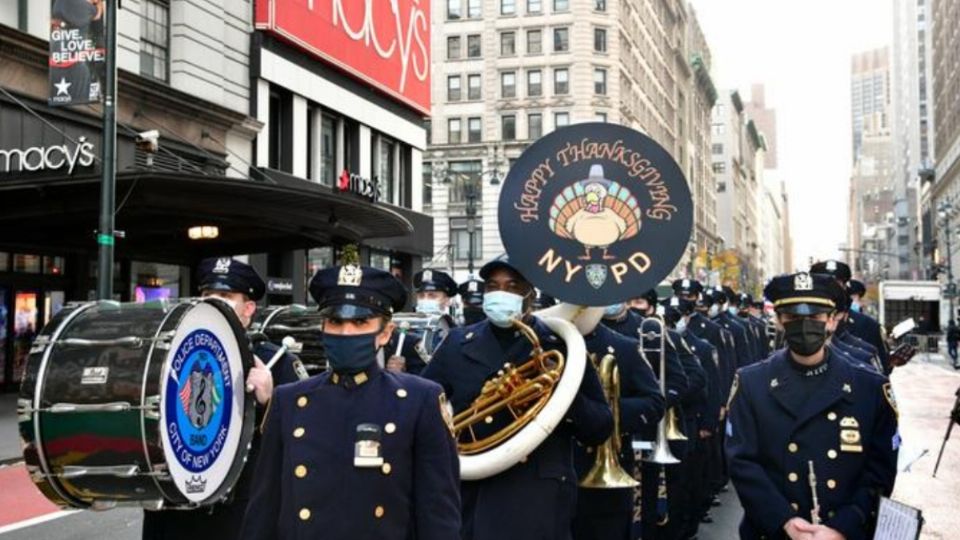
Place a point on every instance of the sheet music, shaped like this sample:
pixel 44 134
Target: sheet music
pixel 897 521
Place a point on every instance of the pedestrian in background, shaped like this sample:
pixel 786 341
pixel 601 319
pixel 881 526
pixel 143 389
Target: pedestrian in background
pixel 953 337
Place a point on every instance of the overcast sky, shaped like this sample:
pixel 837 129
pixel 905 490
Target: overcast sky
pixel 801 51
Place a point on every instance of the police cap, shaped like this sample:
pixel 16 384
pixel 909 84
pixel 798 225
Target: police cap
pixel 501 262
pixel 732 296
pixel 434 280
pixel 802 293
pixel 839 270
pixel 471 292
pixel 357 292
pixel 230 275
pixel 857 287
pixel 687 286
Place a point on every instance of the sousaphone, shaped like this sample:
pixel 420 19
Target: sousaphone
pixel 592 214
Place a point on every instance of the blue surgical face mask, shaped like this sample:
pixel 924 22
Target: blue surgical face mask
pixel 502 307
pixel 733 311
pixel 713 311
pixel 429 306
pixel 682 325
pixel 855 306
pixel 612 311
pixel 349 354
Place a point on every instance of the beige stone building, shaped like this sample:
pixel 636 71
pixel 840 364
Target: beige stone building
pixel 505 72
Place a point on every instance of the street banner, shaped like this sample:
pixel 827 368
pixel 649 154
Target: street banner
pixel 595 213
pixel 77 58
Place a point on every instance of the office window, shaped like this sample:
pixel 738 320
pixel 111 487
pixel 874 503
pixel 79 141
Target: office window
pixel 719 167
pixel 453 131
pixel 561 119
pixel 508 7
pixel 600 39
pixel 154 39
pixel 534 6
pixel 600 81
pixel 508 43
pixel 463 179
pixel 534 83
pixel 453 10
pixel 534 126
pixel 561 39
pixel 717 148
pixel 460 238
pixel 473 87
pixel 453 88
pixel 561 5
pixel 474 129
pixel 600 5
pixel 388 181
pixel 561 81
pixel 473 9
pixel 721 187
pixel 474 49
pixel 453 47
pixel 427 182
pixel 428 127
pixel 508 127
pixel 534 41
pixel 508 84
pixel 601 117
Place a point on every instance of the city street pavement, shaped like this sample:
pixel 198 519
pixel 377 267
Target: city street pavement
pixel 9 437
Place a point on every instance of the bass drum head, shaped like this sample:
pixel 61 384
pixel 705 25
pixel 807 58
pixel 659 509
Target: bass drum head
pixel 205 413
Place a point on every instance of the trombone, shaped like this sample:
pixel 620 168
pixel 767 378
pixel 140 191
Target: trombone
pixel 661 447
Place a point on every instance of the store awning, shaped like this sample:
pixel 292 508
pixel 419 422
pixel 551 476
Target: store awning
pixel 155 210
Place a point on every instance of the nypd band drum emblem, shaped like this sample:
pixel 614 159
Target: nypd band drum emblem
pixel 595 213
pixel 202 411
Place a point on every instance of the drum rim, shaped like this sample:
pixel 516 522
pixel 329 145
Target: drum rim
pixel 38 392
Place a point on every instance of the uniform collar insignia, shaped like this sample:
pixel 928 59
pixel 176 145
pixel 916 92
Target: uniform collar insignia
pixel 847 388
pixel 774 383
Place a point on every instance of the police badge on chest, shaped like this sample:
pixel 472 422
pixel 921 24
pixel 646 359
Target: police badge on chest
pixel 366 450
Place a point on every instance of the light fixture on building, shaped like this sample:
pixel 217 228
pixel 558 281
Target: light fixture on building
pixel 203 232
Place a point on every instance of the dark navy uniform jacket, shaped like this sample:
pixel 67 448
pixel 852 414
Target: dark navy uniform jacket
pixel 867 328
pixel 641 406
pixel 856 353
pixel 848 428
pixel 743 352
pixel 307 486
pixel 695 398
pixel 753 347
pixel 760 331
pixel 708 414
pixel 221 521
pixel 535 498
pixel 703 328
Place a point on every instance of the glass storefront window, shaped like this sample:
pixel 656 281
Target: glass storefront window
pixel 380 259
pixel 328 148
pixel 317 259
pixel 27 264
pixel 387 176
pixel 4 261
pixel 154 281
pixel 53 266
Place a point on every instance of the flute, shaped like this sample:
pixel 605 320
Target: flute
pixel 815 511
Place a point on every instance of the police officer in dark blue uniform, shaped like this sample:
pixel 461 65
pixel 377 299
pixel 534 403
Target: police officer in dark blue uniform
pixel 842 339
pixel 536 498
pixel 358 451
pixel 745 305
pixel 606 514
pixel 804 415
pixel 434 289
pixel 238 284
pixel 717 312
pixel 733 312
pixel 857 291
pixel 471 298
pixel 863 326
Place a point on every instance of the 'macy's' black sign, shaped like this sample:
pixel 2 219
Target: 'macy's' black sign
pixel 595 213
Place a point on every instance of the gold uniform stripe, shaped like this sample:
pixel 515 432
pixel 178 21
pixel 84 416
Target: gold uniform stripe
pixel 804 300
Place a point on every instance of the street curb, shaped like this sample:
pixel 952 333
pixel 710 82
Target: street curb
pixel 6 462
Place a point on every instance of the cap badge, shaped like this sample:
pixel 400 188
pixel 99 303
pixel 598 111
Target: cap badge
pixel 674 302
pixel 686 284
pixel 803 282
pixel 427 275
pixel 350 276
pixel 472 286
pixel 222 266
pixel 831 265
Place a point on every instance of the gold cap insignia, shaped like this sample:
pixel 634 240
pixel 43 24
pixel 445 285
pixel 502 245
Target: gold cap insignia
pixel 803 282
pixel 350 276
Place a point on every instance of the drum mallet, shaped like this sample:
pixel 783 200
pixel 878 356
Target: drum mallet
pixel 285 345
pixel 404 328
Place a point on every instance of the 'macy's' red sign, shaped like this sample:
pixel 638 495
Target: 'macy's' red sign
pixel 383 42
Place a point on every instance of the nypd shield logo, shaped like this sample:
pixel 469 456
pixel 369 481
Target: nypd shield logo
pixel 596 275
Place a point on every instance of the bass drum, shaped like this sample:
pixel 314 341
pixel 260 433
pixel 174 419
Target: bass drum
pixel 138 404
pixel 304 324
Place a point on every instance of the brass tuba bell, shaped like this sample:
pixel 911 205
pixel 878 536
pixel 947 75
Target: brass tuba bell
pixel 606 472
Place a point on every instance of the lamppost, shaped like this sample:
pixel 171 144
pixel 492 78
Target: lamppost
pixel 945 210
pixel 473 189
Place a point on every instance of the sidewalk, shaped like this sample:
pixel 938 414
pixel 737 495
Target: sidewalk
pixel 9 435
pixel 924 390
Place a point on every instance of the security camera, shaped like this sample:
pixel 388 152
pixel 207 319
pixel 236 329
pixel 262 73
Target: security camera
pixel 148 141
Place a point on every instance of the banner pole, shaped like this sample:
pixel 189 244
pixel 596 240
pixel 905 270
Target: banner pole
pixel 105 233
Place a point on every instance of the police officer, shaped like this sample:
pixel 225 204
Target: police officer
pixel 804 411
pixel 543 301
pixel 840 336
pixel 759 328
pixel 435 289
pixel 471 297
pixel 607 514
pixel 716 300
pixel 857 291
pixel 237 284
pixel 536 498
pixel 358 451
pixel 731 311
pixel 863 326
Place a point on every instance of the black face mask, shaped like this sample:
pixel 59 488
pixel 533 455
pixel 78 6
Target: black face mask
pixel 804 336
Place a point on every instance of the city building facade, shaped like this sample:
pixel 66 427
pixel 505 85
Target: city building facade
pixel 506 72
